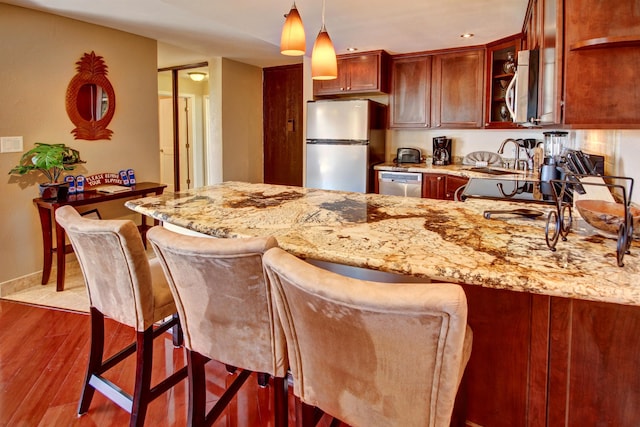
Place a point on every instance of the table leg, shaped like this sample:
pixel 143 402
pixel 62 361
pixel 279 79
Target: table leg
pixel 45 224
pixel 61 252
pixel 143 229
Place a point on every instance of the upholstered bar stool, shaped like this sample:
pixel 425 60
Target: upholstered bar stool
pixel 370 353
pixel 226 312
pixel 125 286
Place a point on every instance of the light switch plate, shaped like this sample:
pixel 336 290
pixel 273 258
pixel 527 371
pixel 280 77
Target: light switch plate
pixel 11 144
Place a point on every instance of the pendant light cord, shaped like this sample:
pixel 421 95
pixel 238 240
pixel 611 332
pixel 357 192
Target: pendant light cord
pixel 323 28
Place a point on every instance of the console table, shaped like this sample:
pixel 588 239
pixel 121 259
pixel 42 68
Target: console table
pixel 46 211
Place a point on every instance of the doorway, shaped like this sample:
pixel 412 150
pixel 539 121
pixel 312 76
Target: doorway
pixel 282 124
pixel 183 125
pixel 187 157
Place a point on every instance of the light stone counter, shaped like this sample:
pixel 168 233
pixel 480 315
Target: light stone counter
pixel 457 170
pixel 441 240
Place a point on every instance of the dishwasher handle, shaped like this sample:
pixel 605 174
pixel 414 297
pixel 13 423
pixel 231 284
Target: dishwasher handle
pixel 400 177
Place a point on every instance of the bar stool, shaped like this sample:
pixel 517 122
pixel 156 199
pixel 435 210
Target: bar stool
pixel 225 307
pixel 125 286
pixel 370 353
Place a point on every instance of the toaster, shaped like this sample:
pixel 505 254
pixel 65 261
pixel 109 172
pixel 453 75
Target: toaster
pixel 408 155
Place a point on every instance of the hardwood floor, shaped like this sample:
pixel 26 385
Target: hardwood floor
pixel 43 355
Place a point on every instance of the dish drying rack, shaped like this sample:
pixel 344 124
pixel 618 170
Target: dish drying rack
pixel 560 220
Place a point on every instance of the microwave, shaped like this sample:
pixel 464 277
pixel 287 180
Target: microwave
pixel 522 91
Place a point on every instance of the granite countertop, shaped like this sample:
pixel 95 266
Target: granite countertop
pixel 441 240
pixel 457 170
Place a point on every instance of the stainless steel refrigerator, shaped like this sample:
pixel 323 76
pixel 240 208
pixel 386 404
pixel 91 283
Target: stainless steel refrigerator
pixel 345 139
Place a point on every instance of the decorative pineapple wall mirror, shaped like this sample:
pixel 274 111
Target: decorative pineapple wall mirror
pixel 91 100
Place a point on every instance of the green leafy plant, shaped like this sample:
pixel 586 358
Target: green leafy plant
pixel 50 159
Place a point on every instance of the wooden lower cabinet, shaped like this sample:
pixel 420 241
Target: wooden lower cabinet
pixel 594 377
pixel 549 361
pixel 441 186
pixel 433 185
pixel 453 183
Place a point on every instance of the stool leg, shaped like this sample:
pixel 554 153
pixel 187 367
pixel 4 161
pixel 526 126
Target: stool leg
pixel 178 337
pixel 197 388
pixel 142 393
pixel 306 415
pixel 281 402
pixel 263 379
pixel 95 359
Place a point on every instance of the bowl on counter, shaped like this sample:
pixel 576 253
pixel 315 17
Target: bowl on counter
pixel 607 216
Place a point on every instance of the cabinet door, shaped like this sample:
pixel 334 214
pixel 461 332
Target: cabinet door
pixel 411 92
pixel 433 186
pixel 357 74
pixel 458 87
pixel 500 56
pixel 602 59
pixel 531 28
pixel 364 73
pixel 550 81
pixel 453 183
pixel 335 86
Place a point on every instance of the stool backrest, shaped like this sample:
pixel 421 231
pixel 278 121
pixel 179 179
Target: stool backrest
pixel 114 265
pixel 370 353
pixel 222 298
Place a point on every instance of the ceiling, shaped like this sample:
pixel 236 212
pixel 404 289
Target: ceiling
pixel 248 31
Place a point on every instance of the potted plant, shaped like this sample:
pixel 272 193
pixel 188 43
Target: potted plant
pixel 52 160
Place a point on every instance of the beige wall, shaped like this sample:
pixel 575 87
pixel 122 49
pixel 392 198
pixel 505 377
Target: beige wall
pixel 241 118
pixel 38 53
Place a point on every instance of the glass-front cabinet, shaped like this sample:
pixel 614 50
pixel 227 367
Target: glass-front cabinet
pixel 501 64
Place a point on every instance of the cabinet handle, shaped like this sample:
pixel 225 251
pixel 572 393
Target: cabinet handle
pixel 341 88
pixel 439 178
pixel 348 87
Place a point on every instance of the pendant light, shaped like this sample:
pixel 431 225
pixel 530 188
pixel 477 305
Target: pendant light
pixel 324 65
pixel 292 41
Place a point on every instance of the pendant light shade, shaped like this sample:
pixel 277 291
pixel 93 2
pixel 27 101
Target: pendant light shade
pixel 292 41
pixel 324 65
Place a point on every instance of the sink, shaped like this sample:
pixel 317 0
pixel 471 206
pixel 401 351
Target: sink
pixel 492 171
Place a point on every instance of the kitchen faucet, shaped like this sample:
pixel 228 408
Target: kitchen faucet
pixel 517 151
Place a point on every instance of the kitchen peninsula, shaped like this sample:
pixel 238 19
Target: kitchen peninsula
pixel 554 332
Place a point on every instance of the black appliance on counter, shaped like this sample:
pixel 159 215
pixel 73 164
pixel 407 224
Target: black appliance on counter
pixel 441 151
pixel 408 155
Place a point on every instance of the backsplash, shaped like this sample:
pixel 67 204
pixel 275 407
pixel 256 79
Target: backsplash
pixel 463 141
pixel 621 148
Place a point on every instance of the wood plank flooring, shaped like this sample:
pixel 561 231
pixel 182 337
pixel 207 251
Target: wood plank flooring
pixel 43 355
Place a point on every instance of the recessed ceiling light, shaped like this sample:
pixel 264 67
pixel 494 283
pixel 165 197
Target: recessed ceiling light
pixel 352 49
pixel 466 35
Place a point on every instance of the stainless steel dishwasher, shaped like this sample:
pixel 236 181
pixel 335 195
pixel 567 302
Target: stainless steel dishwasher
pixel 408 184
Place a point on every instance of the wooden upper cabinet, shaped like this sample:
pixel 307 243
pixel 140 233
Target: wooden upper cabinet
pixel 357 74
pixel 602 59
pixel 501 59
pixel 531 30
pixel 458 88
pixel 410 101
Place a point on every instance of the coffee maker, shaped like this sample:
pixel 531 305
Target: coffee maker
pixel 441 151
